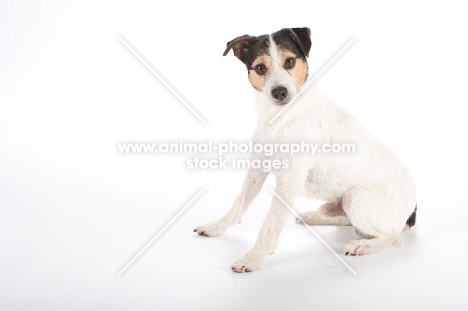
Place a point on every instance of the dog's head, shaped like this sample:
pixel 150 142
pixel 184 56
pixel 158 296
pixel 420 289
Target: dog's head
pixel 276 63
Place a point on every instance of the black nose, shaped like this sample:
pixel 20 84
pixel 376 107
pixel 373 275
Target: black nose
pixel 279 93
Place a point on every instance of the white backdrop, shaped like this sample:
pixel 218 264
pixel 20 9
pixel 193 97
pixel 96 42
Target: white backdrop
pixel 75 211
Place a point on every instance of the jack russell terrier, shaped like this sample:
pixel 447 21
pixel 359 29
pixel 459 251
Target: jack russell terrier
pixel 369 189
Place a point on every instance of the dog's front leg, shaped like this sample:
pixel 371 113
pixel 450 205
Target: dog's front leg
pixel 288 186
pixel 252 185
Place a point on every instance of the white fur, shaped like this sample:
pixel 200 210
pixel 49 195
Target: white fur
pixel 278 76
pixel 371 186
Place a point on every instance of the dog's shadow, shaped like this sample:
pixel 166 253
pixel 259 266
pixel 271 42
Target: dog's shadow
pixel 343 234
pixel 316 254
pixel 313 250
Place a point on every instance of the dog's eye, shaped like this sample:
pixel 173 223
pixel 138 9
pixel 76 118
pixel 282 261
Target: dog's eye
pixel 289 63
pixel 260 69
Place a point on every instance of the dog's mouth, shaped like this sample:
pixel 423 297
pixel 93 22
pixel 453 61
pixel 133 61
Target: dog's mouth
pixel 282 102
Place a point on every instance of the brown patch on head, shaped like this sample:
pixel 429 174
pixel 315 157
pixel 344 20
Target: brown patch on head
pixel 260 71
pixel 295 65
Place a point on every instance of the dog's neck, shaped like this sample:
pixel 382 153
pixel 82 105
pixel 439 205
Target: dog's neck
pixel 310 103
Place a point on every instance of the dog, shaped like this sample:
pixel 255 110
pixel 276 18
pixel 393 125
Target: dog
pixel 369 189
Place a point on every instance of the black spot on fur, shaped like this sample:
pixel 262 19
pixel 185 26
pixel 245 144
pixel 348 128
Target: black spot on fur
pixel 296 40
pixel 258 46
pixel 248 48
pixel 412 219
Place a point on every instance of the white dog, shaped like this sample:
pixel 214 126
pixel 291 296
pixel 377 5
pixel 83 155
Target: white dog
pixel 369 189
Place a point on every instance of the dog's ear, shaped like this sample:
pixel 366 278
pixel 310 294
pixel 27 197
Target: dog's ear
pixel 301 36
pixel 240 47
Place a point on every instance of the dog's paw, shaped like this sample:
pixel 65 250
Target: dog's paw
pixel 354 249
pixel 245 265
pixel 368 246
pixel 209 230
pixel 299 221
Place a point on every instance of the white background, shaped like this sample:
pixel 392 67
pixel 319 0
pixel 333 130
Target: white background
pixel 74 211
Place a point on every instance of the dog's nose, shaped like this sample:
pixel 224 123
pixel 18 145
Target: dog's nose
pixel 279 93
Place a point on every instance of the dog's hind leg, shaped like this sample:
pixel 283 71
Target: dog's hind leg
pixel 328 214
pixel 378 213
pixel 252 185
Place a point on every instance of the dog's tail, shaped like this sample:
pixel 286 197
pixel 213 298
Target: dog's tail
pixel 411 220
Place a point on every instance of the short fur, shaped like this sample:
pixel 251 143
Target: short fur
pixel 370 189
